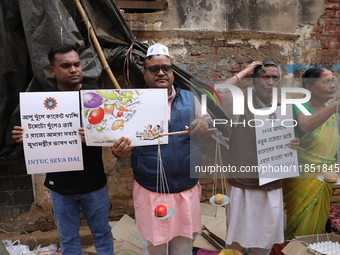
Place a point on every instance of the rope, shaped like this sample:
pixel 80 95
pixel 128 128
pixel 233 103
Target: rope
pixel 162 183
pixel 127 62
pixel 219 161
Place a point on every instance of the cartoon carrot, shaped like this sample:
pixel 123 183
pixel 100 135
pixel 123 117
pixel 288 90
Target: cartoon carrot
pixel 122 108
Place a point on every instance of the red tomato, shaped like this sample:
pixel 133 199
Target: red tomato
pixel 160 211
pixel 96 115
pixel 119 114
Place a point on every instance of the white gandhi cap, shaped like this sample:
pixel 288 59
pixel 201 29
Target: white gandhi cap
pixel 157 49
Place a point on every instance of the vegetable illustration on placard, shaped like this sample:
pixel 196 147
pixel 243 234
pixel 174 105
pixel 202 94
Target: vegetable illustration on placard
pixel 109 109
pixel 96 116
pixel 108 114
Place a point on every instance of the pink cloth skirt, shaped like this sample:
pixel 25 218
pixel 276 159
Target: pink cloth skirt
pixel 185 221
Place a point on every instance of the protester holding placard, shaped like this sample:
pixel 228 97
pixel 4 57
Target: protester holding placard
pixel 255 214
pixel 74 190
pixel 174 235
pixel 307 198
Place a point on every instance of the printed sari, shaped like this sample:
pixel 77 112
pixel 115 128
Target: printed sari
pixel 308 199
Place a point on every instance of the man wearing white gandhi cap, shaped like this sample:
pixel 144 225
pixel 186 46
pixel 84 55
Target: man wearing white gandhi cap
pixel 176 234
pixel 157 49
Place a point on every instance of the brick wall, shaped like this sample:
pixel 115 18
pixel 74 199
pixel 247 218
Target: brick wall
pixel 324 36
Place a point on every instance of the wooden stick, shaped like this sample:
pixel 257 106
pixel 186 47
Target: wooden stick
pixel 96 44
pixel 175 133
pixel 183 132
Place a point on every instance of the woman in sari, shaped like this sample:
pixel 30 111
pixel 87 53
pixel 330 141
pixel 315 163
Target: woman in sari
pixel 308 199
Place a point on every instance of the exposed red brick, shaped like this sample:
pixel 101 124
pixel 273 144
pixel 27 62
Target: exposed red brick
pixel 325 61
pixel 315 36
pixel 329 28
pixel 326 44
pixel 332 5
pixel 328 21
pixel 317 29
pixel 329 37
pixel 336 46
pixel 329 53
pixel 214 76
pixel 335 21
pixel 329 13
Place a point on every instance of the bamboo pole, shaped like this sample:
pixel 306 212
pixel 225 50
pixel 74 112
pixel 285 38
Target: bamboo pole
pixel 96 44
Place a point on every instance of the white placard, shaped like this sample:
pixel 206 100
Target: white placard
pixel 139 114
pixel 51 141
pixel 273 133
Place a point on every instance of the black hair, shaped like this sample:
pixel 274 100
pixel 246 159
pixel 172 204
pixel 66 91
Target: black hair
pixel 60 48
pixel 259 68
pixel 310 76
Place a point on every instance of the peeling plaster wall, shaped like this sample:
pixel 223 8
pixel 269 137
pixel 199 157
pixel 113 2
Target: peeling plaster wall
pixel 225 15
pixel 275 15
pixel 199 15
pixel 253 24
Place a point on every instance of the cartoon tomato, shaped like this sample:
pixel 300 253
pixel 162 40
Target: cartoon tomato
pixel 160 211
pixel 96 115
pixel 119 114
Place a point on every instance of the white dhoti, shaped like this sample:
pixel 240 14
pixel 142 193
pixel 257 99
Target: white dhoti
pixel 255 217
